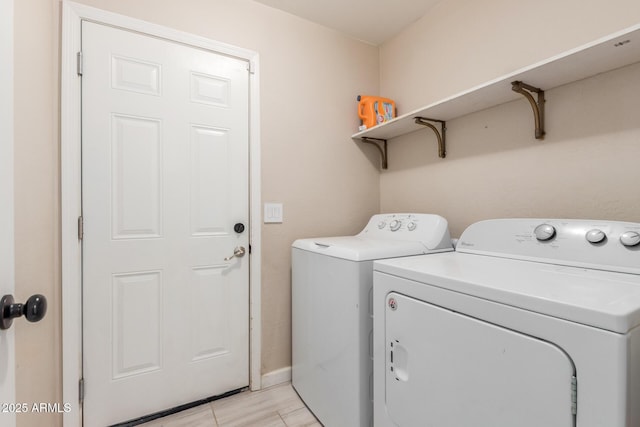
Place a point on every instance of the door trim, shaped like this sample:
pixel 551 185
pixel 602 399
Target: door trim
pixel 7 257
pixel 70 133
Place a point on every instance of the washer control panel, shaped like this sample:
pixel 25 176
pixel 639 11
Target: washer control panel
pixel 399 222
pixel 610 245
pixel 432 230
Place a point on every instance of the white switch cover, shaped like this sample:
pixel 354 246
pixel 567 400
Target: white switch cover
pixel 272 213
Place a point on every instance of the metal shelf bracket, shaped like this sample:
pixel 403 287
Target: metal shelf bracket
pixel 441 135
pixel 381 145
pixel 536 106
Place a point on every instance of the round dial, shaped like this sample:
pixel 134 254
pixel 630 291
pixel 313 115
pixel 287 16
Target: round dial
pixel 630 238
pixel 595 236
pixel 544 232
pixel 395 225
pixel 411 226
pixel 381 225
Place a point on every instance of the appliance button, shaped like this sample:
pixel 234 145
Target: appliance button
pixel 595 236
pixel 630 238
pixel 381 225
pixel 395 225
pixel 544 232
pixel 411 226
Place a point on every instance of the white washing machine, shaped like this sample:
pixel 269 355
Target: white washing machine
pixel 332 328
pixel 530 323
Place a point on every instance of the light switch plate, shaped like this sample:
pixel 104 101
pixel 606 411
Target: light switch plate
pixel 273 213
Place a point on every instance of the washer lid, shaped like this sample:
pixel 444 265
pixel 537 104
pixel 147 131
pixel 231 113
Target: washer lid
pixel 355 248
pixel 602 299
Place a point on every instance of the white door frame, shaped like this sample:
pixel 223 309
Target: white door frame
pixel 7 278
pixel 72 16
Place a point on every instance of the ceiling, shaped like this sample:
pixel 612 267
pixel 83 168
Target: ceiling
pixel 372 21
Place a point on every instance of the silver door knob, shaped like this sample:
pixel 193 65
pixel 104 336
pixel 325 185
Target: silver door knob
pixel 238 252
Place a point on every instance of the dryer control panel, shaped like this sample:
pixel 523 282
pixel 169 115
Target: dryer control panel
pixel 604 245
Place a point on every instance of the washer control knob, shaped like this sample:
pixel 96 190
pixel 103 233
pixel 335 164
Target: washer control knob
pixel 395 225
pixel 411 226
pixel 544 232
pixel 630 238
pixel 381 225
pixel 595 236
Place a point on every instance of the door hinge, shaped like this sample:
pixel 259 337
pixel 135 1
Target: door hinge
pixel 79 64
pixel 80 228
pixel 250 67
pixel 249 249
pixel 81 390
pixel 574 395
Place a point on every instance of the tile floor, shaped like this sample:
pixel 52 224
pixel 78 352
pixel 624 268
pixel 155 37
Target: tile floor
pixel 277 406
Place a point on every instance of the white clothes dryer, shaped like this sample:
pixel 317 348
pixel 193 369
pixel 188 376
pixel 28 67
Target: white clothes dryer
pixel 529 323
pixel 332 327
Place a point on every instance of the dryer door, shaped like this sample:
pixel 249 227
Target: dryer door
pixel 446 369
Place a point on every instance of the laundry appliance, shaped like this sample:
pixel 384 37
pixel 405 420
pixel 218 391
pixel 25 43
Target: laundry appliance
pixel 529 323
pixel 332 286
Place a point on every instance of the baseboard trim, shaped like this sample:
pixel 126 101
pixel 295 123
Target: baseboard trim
pixel 276 377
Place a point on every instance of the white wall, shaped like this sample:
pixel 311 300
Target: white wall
pixel 494 167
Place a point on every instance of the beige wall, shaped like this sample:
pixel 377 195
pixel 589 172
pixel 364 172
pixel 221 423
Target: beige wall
pixel 494 167
pixel 36 169
pixel 310 77
pixel 328 184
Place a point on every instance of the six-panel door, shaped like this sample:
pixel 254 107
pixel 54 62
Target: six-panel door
pixel 164 180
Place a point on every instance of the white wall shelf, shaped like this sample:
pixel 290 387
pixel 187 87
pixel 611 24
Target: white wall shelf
pixel 605 54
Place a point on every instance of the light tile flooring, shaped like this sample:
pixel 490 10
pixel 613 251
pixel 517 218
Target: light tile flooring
pixel 277 406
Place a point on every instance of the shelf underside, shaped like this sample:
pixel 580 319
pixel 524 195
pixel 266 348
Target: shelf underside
pixel 609 53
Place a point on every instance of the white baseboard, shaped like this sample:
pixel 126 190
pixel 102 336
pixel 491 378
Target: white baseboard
pixel 279 376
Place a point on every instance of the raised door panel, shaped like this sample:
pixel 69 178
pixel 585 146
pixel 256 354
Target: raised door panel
pixel 137 333
pixel 209 180
pixel 211 328
pixel 136 177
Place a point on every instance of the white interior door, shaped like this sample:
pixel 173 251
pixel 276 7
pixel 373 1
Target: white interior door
pixel 7 347
pixel 164 181
pixel 446 369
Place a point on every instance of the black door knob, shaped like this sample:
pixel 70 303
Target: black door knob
pixel 33 310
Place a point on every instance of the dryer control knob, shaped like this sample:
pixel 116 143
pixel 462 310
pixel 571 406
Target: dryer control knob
pixel 395 225
pixel 381 225
pixel 411 226
pixel 595 236
pixel 630 238
pixel 544 232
